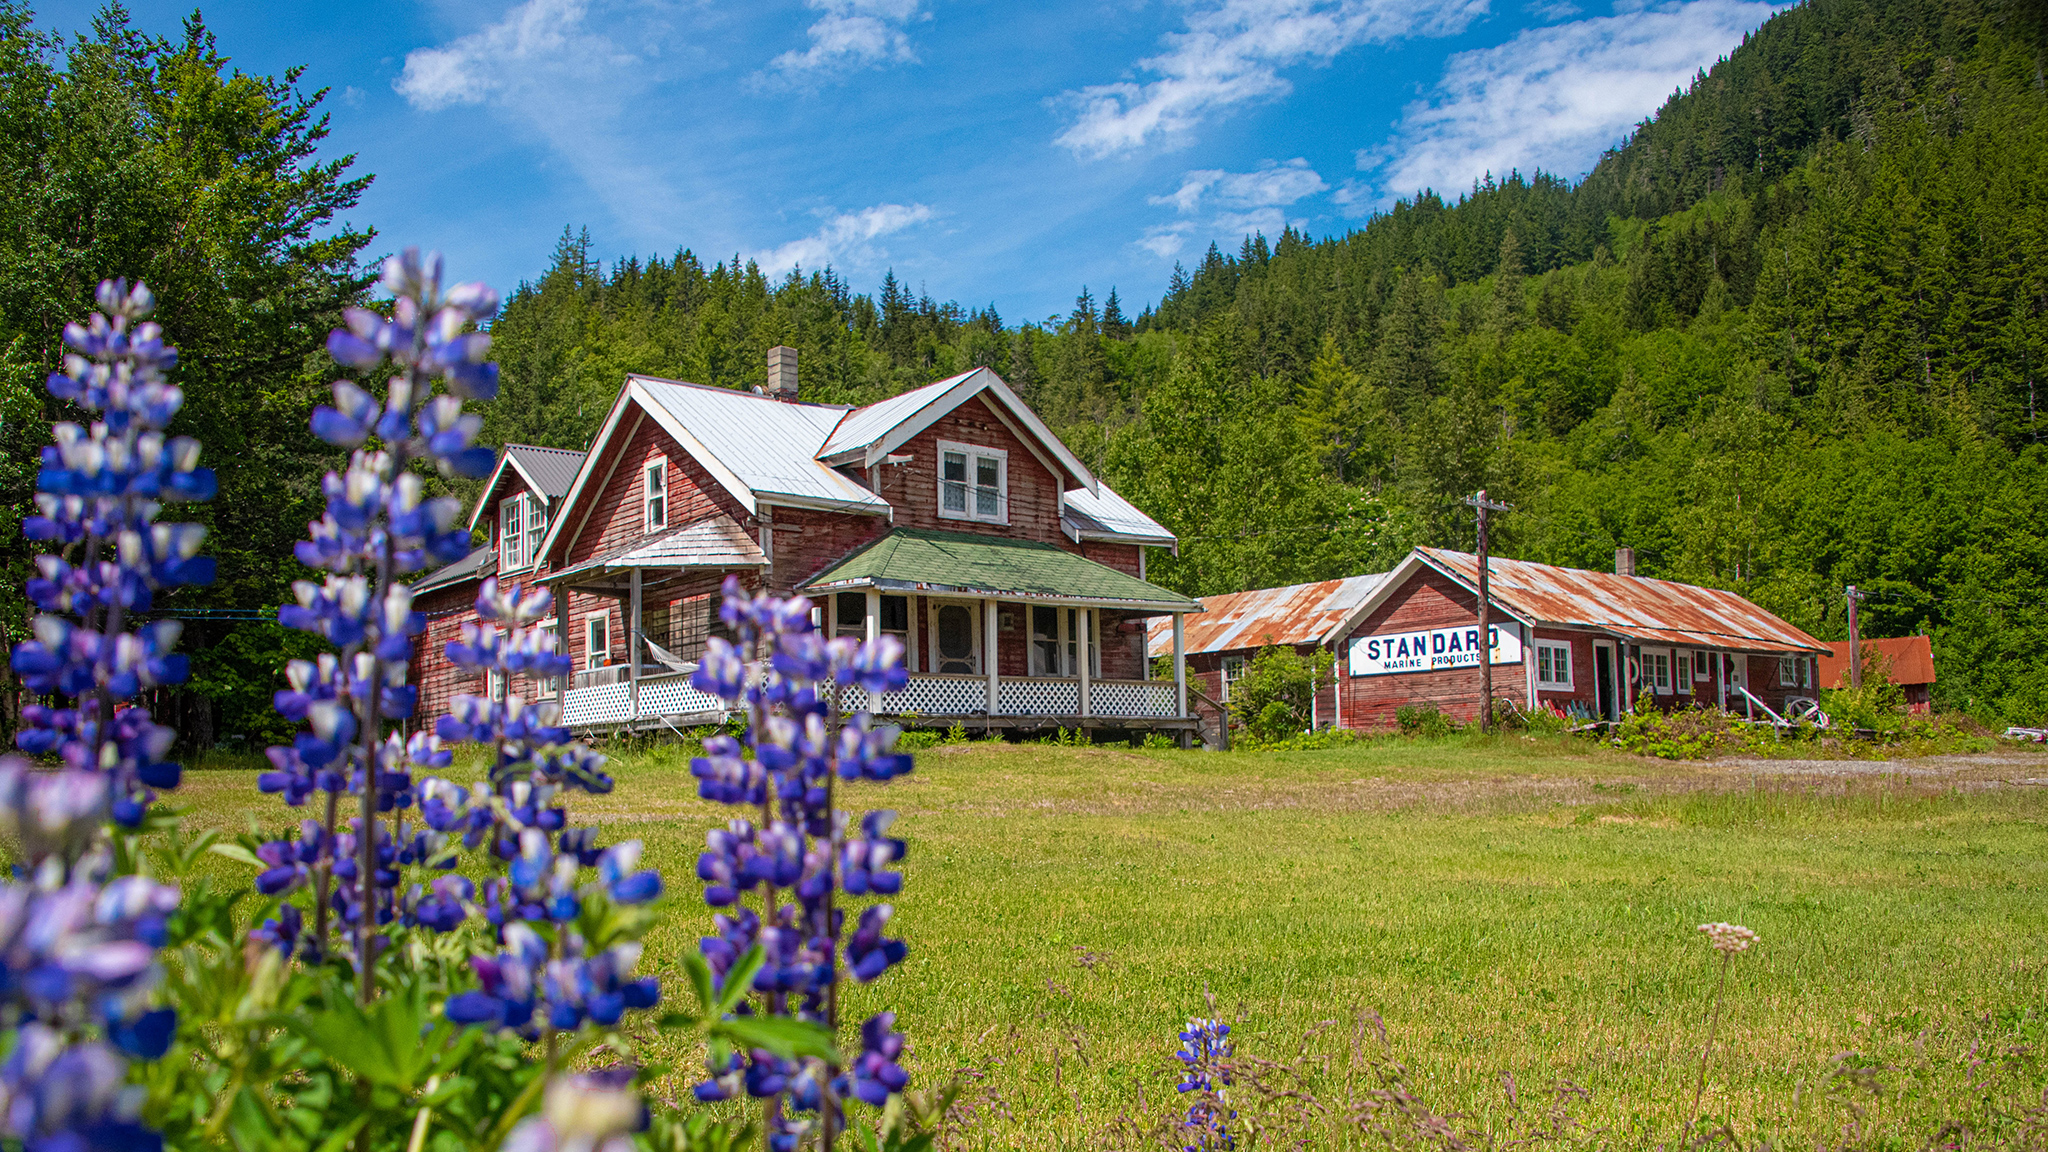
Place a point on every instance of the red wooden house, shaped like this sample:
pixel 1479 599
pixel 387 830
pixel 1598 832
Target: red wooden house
pixel 950 517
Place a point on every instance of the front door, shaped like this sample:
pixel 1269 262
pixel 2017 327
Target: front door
pixel 956 639
pixel 1603 680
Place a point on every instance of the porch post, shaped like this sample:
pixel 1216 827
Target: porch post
pixel 633 646
pixel 874 614
pixel 1180 666
pixel 988 654
pixel 1087 641
pixel 1337 675
pixel 562 642
pixel 1529 662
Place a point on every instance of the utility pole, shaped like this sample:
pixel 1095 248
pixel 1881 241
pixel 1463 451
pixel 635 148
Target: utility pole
pixel 1483 505
pixel 1855 641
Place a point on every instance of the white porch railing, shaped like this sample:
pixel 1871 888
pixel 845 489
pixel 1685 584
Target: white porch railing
pixel 927 695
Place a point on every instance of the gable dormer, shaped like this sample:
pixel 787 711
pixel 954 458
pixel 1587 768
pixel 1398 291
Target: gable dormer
pixel 520 500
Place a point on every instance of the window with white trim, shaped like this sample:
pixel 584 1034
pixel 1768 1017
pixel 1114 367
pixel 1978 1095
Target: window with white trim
pixel 597 640
pixel 536 526
pixel 513 553
pixel 1657 667
pixel 549 684
pixel 1233 671
pixel 896 619
pixel 654 494
pixel 1792 672
pixel 494 678
pixel 850 615
pixel 974 483
pixel 1553 666
pixel 1702 665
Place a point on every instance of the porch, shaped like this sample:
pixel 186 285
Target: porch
pixel 997 635
pixel 663 700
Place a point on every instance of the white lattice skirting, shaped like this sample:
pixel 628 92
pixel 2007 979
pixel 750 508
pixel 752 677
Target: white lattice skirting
pixel 1039 698
pixel 1122 698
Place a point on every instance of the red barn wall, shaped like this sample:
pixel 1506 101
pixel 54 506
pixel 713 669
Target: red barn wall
pixel 1427 599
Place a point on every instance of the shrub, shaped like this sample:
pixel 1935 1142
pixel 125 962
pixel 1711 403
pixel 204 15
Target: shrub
pixel 1424 720
pixel 1276 694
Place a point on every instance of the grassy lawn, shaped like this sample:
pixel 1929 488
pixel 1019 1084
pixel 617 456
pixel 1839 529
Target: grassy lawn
pixel 1520 914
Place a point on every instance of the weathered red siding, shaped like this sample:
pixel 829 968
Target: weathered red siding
pixel 613 515
pixel 808 541
pixel 1427 600
pixel 1122 557
pixel 913 488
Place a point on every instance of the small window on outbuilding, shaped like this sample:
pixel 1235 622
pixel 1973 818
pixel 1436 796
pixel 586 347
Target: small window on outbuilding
pixel 1553 666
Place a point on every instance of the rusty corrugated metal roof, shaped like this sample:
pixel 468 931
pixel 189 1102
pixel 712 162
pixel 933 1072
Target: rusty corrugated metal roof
pixel 1636 607
pixel 1912 659
pixel 1296 614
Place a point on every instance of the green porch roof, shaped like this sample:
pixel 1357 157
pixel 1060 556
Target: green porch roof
pixel 923 560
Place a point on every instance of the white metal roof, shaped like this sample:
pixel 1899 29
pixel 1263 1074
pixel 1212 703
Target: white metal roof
pixel 863 426
pixel 769 446
pixel 1104 515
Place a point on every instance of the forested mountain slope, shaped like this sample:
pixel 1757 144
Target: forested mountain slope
pixel 1787 338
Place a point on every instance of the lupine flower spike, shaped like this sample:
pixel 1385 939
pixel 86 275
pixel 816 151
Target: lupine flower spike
pixel 1205 1053
pixel 78 944
pixel 799 855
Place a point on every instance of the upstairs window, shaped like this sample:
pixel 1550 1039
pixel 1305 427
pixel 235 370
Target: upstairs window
pixel 536 526
pixel 522 520
pixel 655 495
pixel 973 483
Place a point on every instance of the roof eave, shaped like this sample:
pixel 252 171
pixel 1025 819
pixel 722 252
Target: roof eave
pixel 929 588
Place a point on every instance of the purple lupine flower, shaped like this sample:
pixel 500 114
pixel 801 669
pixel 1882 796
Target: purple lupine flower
pixel 593 1112
pixel 1205 1049
pixel 863 863
pixel 868 952
pixel 800 852
pixel 78 946
pixel 875 1075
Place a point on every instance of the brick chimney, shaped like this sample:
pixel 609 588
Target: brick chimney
pixel 1624 561
pixel 782 373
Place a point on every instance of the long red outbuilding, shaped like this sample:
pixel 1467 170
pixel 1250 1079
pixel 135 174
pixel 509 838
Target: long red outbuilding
pixel 1588 643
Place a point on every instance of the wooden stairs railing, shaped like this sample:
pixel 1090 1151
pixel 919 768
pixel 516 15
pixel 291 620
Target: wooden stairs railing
pixel 1215 719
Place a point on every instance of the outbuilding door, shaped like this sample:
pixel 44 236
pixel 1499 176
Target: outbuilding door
pixel 1603 681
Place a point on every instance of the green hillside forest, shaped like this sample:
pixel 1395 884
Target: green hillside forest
pixel 1788 337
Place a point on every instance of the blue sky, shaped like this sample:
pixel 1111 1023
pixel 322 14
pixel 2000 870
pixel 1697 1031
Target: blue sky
pixel 988 152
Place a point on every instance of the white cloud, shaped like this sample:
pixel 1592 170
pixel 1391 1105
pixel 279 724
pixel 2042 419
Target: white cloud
pixel 1271 184
pixel 853 33
pixel 1552 98
pixel 847 238
pixel 1233 53
pixel 547 35
pixel 1239 204
pixel 554 72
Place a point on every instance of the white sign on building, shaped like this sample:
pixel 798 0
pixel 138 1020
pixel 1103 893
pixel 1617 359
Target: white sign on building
pixel 1431 649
